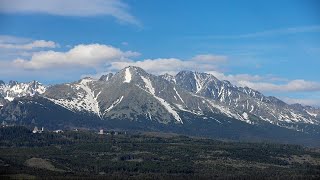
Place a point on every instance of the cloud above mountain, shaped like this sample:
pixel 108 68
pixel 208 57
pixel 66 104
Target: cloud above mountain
pixel 266 33
pixel 12 43
pixel 291 86
pixel 114 8
pixel 82 55
pixel 203 62
pixel 303 101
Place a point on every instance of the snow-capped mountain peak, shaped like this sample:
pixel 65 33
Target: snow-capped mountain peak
pixel 135 95
pixel 14 89
pixel 244 99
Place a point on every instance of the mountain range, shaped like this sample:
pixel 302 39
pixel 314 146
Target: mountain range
pixel 191 103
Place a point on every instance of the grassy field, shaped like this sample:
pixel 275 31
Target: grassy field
pixel 85 154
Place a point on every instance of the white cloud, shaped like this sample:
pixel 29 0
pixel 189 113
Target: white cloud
pixel 12 47
pixel 237 77
pixel 304 101
pixel 268 83
pixel 30 46
pixel 210 58
pixel 157 66
pixel 292 86
pixel 272 32
pixel 13 39
pixel 290 30
pixel 91 55
pixel 199 63
pixel 114 8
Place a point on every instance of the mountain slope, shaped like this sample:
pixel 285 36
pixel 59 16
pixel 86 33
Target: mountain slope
pixel 39 111
pixel 77 97
pixel 2 101
pixel 246 100
pixel 131 94
pixel 189 103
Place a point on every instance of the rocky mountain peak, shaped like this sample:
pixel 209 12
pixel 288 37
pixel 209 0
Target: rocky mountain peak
pixel 12 83
pixel 130 74
pixel 168 77
pixel 193 81
pixel 135 70
pixel 35 84
pixel 106 77
pixel 15 89
pixel 2 83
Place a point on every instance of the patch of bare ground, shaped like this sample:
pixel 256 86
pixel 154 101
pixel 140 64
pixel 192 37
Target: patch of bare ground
pixel 41 164
pixel 301 159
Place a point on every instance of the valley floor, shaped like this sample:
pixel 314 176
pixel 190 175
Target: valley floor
pixel 85 154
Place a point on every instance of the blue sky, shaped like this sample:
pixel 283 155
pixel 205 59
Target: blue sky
pixel 272 46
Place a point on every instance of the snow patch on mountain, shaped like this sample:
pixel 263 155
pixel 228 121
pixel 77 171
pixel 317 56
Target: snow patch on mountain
pixel 222 109
pixel 312 114
pixel 148 85
pixel 127 76
pixel 114 104
pixel 252 108
pixel 186 110
pixel 178 94
pixel 9 98
pixel 90 99
pixel 71 105
pixel 167 106
pixel 199 83
pixel 85 100
pixel 245 116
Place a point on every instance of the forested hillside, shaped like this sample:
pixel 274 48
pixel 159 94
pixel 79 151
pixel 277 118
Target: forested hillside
pixel 86 154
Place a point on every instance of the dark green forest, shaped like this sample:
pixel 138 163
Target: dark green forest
pixel 134 155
